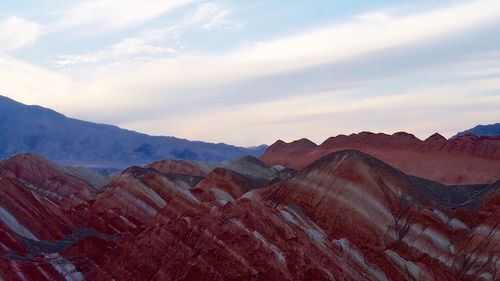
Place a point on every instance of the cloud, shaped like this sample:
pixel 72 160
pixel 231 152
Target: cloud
pixel 251 72
pixel 16 32
pixel 346 40
pixel 150 44
pixel 35 85
pixel 129 49
pixel 443 108
pixel 375 72
pixel 210 16
pixel 98 16
pixel 319 46
pixel 379 16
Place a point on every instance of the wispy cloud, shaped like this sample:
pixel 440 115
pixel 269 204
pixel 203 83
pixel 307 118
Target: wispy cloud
pixel 97 16
pixel 449 108
pixel 340 41
pixel 36 85
pixel 322 45
pixel 379 16
pixel 155 43
pixel 209 16
pixel 381 66
pixel 126 50
pixel 366 33
pixel 16 32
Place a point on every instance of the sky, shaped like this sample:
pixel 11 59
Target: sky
pixel 251 72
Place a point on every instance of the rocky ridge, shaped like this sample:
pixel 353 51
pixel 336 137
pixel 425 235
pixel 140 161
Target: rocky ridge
pixel 346 216
pixel 463 160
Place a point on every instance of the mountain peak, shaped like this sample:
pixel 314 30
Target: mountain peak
pixel 435 137
pixel 335 158
pixel 491 130
pixel 405 135
pixel 303 142
pixel 279 142
pixel 437 158
pixel 34 161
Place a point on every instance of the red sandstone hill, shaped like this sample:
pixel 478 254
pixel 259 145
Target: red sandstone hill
pixel 347 216
pixel 399 224
pixel 170 166
pixel 462 160
pixel 44 210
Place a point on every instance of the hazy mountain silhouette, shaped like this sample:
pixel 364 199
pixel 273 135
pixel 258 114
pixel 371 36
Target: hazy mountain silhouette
pixel 482 130
pixel 30 128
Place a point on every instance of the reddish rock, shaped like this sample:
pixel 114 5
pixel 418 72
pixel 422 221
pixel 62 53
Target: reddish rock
pixel 28 214
pixel 423 229
pixel 25 220
pixel 170 166
pixel 234 178
pixel 462 160
pixel 222 186
pixel 347 216
pixel 246 165
pixel 242 241
pixel 132 199
pixel 43 211
pixel 49 180
pixel 257 169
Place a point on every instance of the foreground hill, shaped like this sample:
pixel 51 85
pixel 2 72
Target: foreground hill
pixel 70 141
pixel 467 159
pixel 347 216
pixel 492 130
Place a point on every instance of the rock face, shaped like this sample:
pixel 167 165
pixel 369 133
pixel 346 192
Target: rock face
pixel 44 210
pixel 49 180
pixel 347 216
pixel 223 185
pixel 462 160
pixel 183 167
pixel 420 229
pixel 249 166
pixel 255 168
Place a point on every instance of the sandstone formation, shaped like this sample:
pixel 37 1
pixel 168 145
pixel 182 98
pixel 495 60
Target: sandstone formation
pixel 346 216
pixel 463 160
pixel 44 210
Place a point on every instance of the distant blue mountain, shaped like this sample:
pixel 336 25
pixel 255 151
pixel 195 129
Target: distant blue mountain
pixel 70 141
pixel 482 130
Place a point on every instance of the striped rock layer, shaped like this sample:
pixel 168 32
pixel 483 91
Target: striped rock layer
pixel 462 160
pixel 346 216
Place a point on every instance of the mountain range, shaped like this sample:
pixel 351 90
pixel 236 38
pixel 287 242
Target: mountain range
pixel 31 128
pixel 491 130
pixel 364 206
pixel 74 142
pixel 346 216
pixel 466 159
